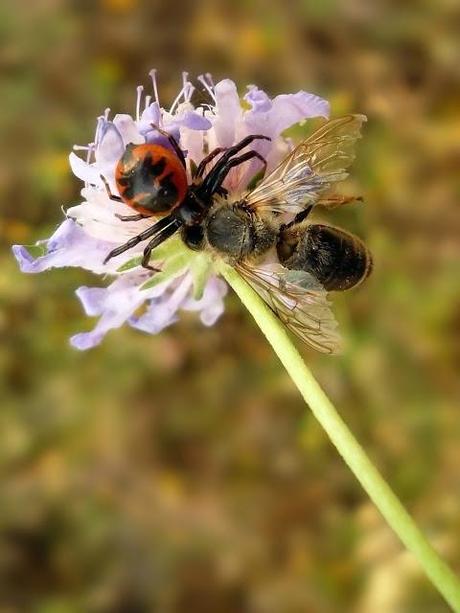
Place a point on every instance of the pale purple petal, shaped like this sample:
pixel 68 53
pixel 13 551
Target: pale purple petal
pixel 127 128
pixel 68 246
pixel 284 111
pixel 193 121
pixel 152 136
pixel 111 146
pixel 192 141
pixel 97 215
pixel 152 114
pixel 271 118
pixel 228 112
pixel 86 340
pixel 211 304
pixel 92 299
pixel 117 303
pixel 114 303
pixel 292 108
pixel 188 118
pixel 86 172
pixel 258 99
pixel 162 312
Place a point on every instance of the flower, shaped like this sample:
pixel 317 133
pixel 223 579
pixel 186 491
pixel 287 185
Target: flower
pixel 146 301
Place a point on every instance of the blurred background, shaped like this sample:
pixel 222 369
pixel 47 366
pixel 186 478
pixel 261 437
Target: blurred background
pixel 181 472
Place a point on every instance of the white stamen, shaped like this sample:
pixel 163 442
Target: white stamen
pixel 208 87
pixel 153 76
pixel 177 99
pixel 189 92
pixel 140 89
pixel 148 101
pixel 188 87
pixel 208 76
pixel 185 80
pixel 101 120
pixel 90 152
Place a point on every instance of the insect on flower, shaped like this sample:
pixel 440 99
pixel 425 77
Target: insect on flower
pixel 192 172
pixel 313 258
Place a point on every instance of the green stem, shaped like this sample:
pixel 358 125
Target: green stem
pixel 351 451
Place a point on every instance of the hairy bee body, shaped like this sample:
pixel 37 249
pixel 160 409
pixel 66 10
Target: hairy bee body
pixel 237 234
pixel 337 259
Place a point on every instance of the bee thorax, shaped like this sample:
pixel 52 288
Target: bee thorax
pixel 235 233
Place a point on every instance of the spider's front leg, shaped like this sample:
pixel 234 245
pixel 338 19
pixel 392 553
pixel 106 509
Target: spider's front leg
pixel 173 142
pixel 213 181
pixel 159 232
pixel 205 161
pixel 136 217
pixel 108 190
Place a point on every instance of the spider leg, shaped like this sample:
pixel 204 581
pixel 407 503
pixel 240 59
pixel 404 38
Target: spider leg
pixel 214 180
pixel 156 229
pixel 137 217
pixel 157 240
pixel 205 161
pixel 109 193
pixel 172 141
pixel 231 151
pixel 247 140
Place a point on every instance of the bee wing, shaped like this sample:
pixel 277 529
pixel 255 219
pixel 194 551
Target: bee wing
pixel 298 300
pixel 310 169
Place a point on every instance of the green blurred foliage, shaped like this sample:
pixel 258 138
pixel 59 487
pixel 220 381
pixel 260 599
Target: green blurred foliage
pixel 179 472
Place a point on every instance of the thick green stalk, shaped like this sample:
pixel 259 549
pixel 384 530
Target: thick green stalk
pixel 351 451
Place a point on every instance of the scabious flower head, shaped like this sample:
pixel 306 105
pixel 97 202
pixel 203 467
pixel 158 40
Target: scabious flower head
pixel 145 300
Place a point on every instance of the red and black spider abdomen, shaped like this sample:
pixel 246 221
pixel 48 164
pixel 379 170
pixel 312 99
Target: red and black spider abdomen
pixel 151 179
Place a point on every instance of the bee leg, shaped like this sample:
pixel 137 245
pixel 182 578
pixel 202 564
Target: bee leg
pixel 205 161
pixel 173 142
pixel 213 181
pixel 298 218
pixel 156 229
pixel 109 193
pixel 137 217
pixel 334 201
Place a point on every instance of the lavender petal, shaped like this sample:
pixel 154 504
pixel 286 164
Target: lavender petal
pixel 228 112
pixel 110 147
pixel 258 99
pixel 68 246
pixel 211 304
pixel 84 171
pixel 127 128
pixel 162 311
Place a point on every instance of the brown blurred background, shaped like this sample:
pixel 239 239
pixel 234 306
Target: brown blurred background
pixel 180 472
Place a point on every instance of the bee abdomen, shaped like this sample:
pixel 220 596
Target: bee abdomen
pixel 338 260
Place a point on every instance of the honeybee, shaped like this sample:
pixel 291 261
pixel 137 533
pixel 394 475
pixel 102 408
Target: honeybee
pixel 265 232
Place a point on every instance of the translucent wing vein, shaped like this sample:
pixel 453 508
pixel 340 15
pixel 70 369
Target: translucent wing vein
pixel 310 169
pixel 298 300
